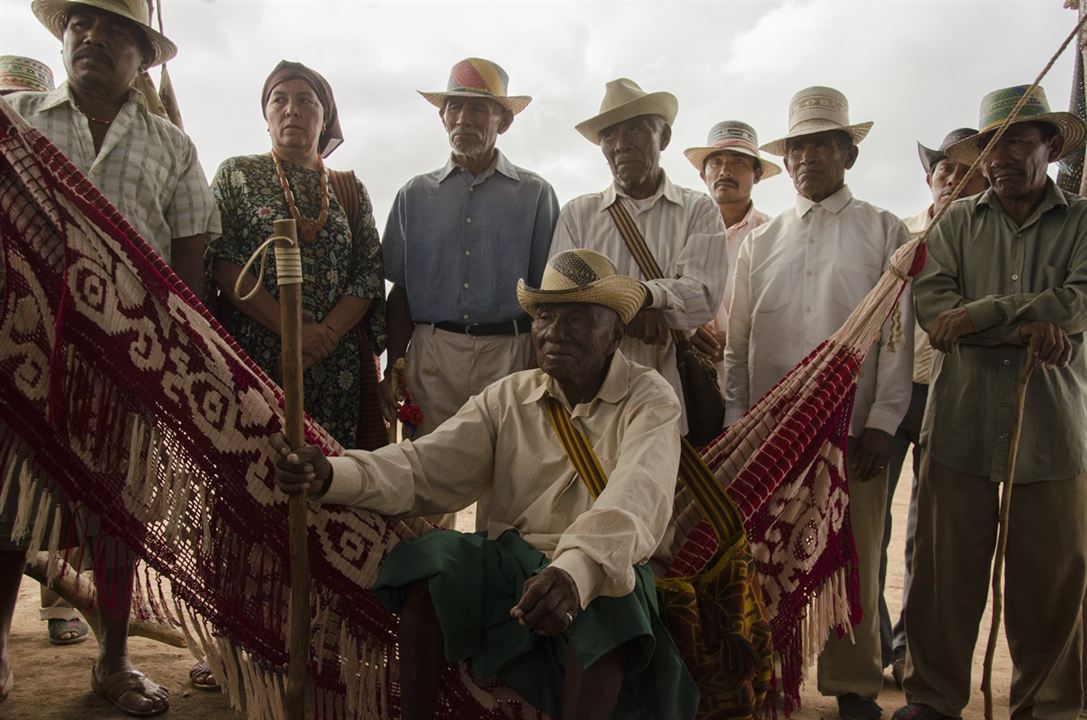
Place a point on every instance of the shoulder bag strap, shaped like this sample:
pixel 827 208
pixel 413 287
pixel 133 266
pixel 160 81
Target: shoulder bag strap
pixel 347 192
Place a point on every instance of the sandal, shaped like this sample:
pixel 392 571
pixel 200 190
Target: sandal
pixel 75 629
pixel 115 686
pixel 202 678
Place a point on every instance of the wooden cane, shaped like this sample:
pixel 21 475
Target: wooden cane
pixel 1002 536
pixel 289 279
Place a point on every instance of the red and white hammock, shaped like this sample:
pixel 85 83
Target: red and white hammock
pixel 118 388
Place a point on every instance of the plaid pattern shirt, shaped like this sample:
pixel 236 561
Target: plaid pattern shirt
pixel 146 167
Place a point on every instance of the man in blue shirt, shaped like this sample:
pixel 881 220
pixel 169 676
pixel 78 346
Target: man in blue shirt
pixel 456 241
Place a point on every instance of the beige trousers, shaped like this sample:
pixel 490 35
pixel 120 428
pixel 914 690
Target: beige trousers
pixel 447 368
pixel 1045 576
pixel 855 665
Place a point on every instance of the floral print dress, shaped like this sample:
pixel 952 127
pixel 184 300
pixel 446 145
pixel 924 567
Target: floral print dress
pixel 341 261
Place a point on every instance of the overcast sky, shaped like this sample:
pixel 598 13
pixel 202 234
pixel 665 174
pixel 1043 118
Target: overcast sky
pixel 917 69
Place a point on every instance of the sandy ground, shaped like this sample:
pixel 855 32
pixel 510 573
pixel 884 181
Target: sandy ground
pixel 53 683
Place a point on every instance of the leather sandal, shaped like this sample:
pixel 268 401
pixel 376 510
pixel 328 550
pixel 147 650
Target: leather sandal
pixel 114 687
pixel 75 628
pixel 202 677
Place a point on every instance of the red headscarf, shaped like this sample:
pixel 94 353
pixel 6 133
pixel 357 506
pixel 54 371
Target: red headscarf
pixel 331 136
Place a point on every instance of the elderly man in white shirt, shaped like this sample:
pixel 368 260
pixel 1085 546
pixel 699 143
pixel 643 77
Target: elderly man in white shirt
pixel 797 279
pixel 682 227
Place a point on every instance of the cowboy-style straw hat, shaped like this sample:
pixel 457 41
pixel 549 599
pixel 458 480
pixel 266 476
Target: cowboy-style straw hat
pixel 583 276
pixel 930 157
pixel 997 105
pixel 476 77
pixel 623 99
pixel 53 13
pixel 815 110
pixel 734 136
pixel 23 73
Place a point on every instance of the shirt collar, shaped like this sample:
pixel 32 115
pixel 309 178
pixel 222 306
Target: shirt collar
pixel 835 203
pixel 500 164
pixel 614 389
pixel 666 190
pixel 1054 197
pixel 63 94
pixel 746 220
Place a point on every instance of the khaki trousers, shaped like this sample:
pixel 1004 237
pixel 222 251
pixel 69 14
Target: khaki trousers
pixel 855 665
pixel 1045 577
pixel 446 368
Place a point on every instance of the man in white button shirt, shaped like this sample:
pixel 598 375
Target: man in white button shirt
pixel 797 279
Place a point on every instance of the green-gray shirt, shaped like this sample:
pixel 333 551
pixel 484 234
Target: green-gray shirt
pixel 1006 276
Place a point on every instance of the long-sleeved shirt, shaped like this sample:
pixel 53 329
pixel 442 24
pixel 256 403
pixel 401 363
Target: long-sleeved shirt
pixel 146 167
pixel 922 348
pixel 501 443
pixel 1006 276
pixel 798 277
pixel 684 231
pixel 458 243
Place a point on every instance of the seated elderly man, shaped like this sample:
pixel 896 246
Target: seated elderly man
pixel 556 598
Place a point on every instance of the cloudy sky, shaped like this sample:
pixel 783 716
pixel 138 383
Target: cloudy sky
pixel 917 69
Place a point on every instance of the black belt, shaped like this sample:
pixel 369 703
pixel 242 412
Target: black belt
pixel 510 327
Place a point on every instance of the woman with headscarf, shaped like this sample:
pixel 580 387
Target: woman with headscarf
pixel 343 278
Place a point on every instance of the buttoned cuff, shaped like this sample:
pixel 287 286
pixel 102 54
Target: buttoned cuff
pixel 347 481
pixel 655 295
pixel 885 420
pixel 984 314
pixel 587 574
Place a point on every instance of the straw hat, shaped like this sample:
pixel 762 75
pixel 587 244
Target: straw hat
pixel 734 136
pixel 476 77
pixel 815 110
pixel 23 73
pixel 623 99
pixel 52 14
pixel 997 105
pixel 583 276
pixel 930 157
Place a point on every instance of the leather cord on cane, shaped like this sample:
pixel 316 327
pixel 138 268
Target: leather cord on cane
pixel 288 266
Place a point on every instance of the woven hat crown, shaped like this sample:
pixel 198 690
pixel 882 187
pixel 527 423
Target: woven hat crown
pixel 23 73
pixel 479 76
pixel 575 268
pixel 732 131
pixel 997 105
pixel 583 276
pixel 816 105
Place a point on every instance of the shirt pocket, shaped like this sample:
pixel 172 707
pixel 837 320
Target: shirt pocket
pixel 773 285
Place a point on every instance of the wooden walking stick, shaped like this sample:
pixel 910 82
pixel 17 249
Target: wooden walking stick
pixel 1002 536
pixel 289 278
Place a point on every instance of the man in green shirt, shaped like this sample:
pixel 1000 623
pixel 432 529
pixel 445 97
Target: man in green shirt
pixel 1006 279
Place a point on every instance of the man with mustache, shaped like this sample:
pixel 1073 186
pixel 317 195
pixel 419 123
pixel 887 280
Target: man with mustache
pixel 149 170
pixel 455 243
pixel 1006 280
pixel 798 278
pixel 681 228
pixel 942 175
pixel 731 166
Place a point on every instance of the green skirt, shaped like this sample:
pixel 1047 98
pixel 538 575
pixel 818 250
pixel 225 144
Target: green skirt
pixel 474 582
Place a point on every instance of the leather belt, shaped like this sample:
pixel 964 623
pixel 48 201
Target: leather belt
pixel 510 327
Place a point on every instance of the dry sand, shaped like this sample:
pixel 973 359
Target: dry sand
pixel 53 683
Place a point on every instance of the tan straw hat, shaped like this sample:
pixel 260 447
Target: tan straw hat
pixel 23 73
pixel 997 105
pixel 734 136
pixel 476 77
pixel 818 109
pixel 52 14
pixel 623 99
pixel 583 276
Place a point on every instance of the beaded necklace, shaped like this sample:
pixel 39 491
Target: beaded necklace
pixel 307 228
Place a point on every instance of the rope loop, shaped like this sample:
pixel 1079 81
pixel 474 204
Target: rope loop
pixel 288 266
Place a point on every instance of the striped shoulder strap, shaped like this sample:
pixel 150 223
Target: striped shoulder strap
pixel 716 506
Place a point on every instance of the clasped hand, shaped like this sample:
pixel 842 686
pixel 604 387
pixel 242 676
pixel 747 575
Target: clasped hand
pixel 549 602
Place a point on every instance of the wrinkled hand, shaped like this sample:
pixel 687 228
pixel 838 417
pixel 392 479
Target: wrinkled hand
pixel 549 602
pixel 709 342
pixel 303 469
pixel 950 325
pixel 318 342
pixel 873 452
pixel 1047 343
pixel 650 326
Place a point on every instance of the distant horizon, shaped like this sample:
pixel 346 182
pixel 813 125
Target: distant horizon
pixel 916 69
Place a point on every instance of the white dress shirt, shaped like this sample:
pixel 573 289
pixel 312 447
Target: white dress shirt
pixel 798 278
pixel 501 443
pixel 684 231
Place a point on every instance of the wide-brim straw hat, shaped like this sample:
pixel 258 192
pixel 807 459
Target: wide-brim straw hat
pixel 818 109
pixel 734 136
pixel 997 105
pixel 583 276
pixel 52 14
pixel 623 99
pixel 930 157
pixel 476 77
pixel 22 73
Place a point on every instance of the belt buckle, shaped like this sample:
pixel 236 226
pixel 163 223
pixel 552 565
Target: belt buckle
pixel 468 328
